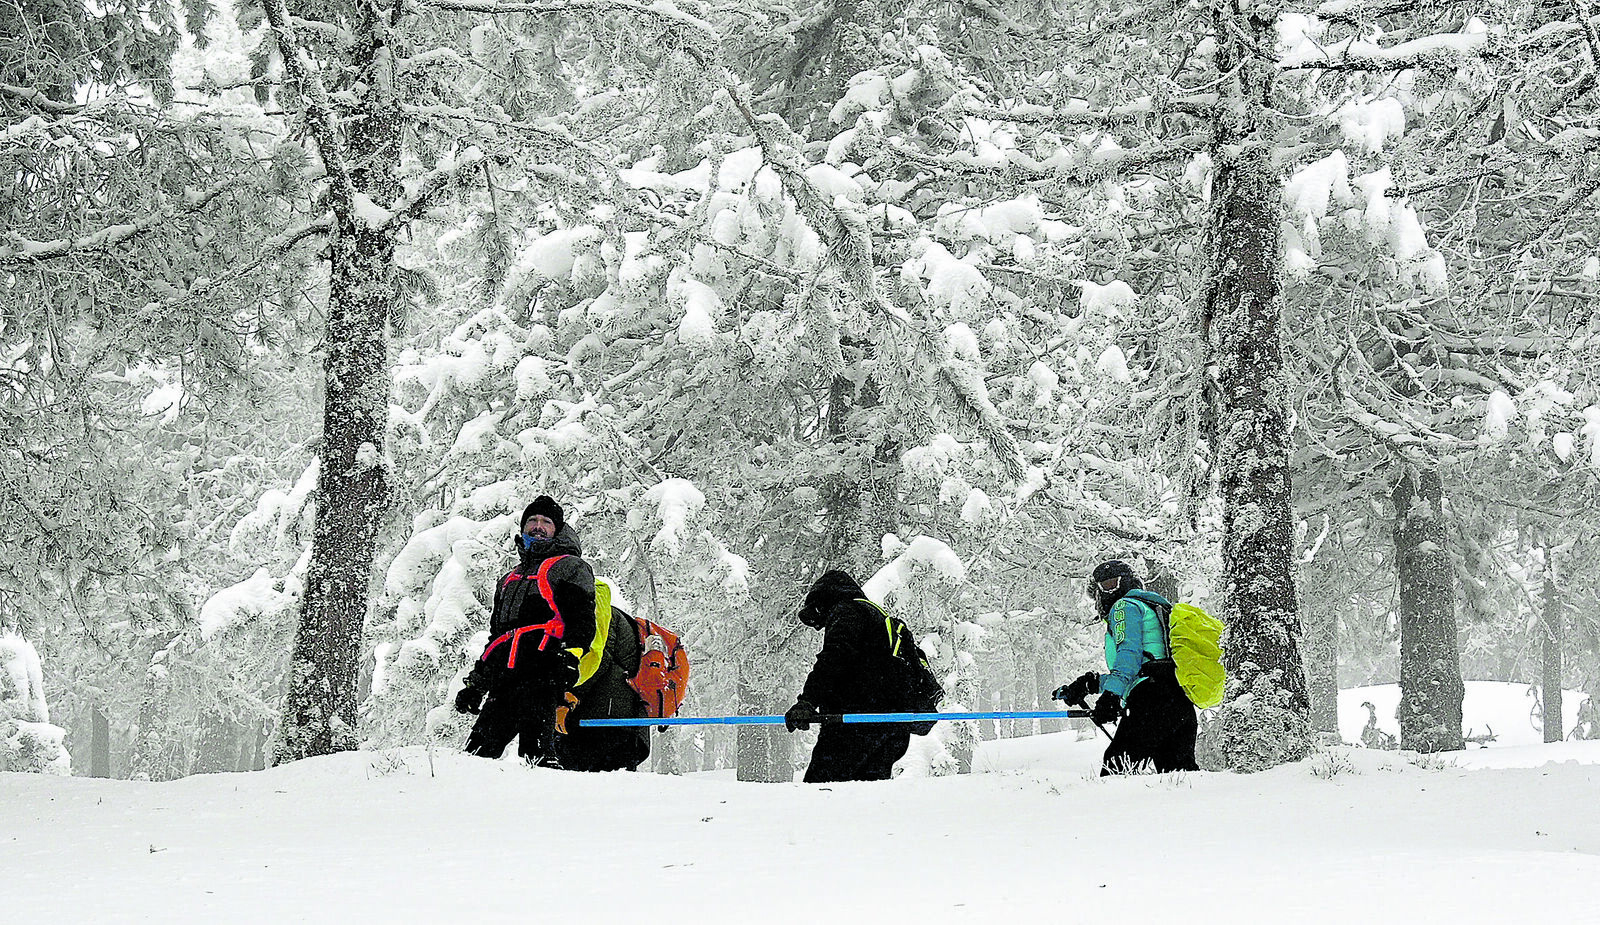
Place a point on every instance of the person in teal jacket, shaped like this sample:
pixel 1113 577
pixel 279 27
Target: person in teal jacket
pixel 1156 723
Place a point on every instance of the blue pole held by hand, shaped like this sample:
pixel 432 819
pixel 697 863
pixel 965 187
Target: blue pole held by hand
pixel 777 719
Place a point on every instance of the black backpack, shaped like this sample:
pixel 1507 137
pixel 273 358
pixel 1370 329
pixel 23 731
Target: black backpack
pixel 923 691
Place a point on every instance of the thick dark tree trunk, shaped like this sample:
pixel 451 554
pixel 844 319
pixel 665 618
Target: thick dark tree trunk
pixel 1430 665
pixel 1264 722
pixel 1551 680
pixel 319 713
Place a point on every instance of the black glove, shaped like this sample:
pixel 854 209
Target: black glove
pixel 800 716
pixel 1079 690
pixel 469 699
pixel 1108 709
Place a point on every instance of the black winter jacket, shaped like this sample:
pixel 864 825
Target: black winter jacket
pixel 856 671
pixel 518 603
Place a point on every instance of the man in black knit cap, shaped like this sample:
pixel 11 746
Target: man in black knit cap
pixel 543 617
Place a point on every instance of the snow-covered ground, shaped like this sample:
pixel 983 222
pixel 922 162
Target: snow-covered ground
pixel 1486 835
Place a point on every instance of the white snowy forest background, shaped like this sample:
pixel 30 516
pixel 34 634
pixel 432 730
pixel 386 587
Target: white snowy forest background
pixel 300 303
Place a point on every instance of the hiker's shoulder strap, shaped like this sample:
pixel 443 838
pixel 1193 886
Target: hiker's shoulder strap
pixel 543 578
pixel 893 626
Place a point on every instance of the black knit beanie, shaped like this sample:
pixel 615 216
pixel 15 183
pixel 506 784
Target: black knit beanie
pixel 546 505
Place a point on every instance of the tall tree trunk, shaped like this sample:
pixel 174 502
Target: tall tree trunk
pixel 1551 680
pixel 1044 681
pixel 1264 721
pixel 1322 668
pixel 754 743
pixel 839 46
pixel 861 502
pixel 1430 666
pixel 99 742
pixel 319 715
pixel 151 756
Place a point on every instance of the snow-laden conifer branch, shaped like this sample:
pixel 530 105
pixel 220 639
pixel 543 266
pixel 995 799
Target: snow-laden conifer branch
pixel 1591 35
pixel 849 241
pixel 661 11
pixel 1134 17
pixel 849 250
pixel 430 185
pixel 1433 52
pixel 331 32
pixel 319 109
pixel 1079 113
pixel 1492 168
pixel 1410 439
pixel 19 250
pixel 1100 166
pixel 1355 12
pixel 39 101
pixel 554 136
pixel 270 250
pixel 988 10
pixel 1551 221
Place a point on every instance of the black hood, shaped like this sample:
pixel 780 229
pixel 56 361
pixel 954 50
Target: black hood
pixel 832 588
pixel 565 544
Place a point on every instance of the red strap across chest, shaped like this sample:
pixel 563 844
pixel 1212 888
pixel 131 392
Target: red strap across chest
pixel 554 628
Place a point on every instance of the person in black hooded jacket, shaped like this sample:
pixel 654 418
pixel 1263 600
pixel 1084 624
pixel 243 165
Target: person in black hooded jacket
pixel 532 657
pixel 856 672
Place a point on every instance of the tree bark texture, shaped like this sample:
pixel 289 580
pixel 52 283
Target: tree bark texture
pixel 756 746
pixel 1551 664
pixel 320 707
pixel 1264 721
pixel 1321 628
pixel 153 752
pixel 1431 689
pixel 99 742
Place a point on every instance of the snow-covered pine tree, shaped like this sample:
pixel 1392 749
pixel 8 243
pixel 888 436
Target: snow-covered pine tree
pixel 1428 382
pixel 141 294
pixel 28 740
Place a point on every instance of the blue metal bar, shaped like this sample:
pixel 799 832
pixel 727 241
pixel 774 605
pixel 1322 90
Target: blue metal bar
pixel 777 720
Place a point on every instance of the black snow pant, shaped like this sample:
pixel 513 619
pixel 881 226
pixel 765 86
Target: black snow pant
pixel 521 710
pixel 1160 728
pixel 865 751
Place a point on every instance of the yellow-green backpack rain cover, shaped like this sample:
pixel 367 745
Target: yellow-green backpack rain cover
pixel 1197 654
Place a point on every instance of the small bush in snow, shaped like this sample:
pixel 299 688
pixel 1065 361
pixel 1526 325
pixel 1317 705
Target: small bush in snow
pixel 1432 761
pixel 1328 764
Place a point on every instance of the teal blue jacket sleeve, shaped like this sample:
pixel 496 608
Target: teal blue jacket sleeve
pixel 1124 646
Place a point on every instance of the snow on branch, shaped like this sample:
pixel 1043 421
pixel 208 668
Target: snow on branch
pixel 269 251
pixel 20 250
pixel 38 100
pixel 849 242
pixel 1355 12
pixel 1568 204
pixel 661 11
pixel 1080 113
pixel 1407 438
pixel 447 173
pixel 1100 165
pixel 1433 52
pixel 319 109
